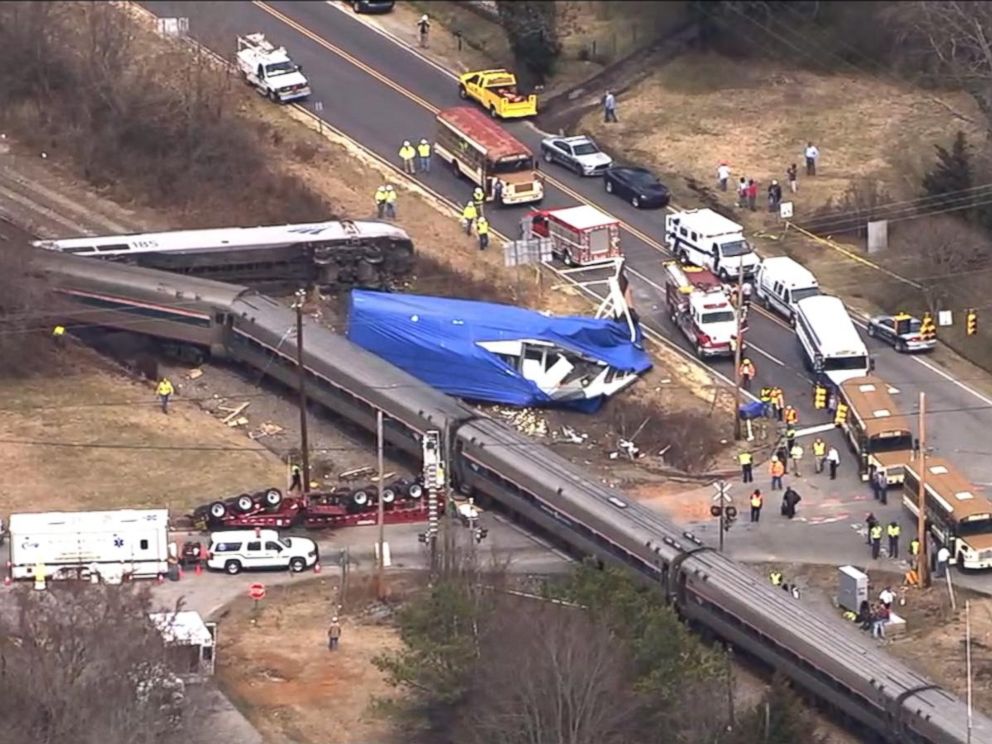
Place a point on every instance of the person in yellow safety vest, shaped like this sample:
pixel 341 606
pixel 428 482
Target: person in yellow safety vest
pixel 479 197
pixel 746 460
pixel 469 215
pixel 776 578
pixel 778 402
pixel 747 372
pixel 58 335
pixel 390 202
pixel 482 229
pixel 791 415
pixel 380 201
pixel 164 392
pixel 893 531
pixel 914 547
pixel 876 540
pixel 756 503
pixel 424 155
pixel 407 154
pixel 819 454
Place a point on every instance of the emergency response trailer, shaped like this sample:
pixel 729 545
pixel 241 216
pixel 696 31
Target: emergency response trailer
pixel 489 156
pixel 580 236
pixel 707 239
pixel 878 432
pixel 699 306
pixel 112 544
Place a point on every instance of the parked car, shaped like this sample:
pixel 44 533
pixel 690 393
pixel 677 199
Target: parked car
pixel 901 332
pixel 637 185
pixel 579 153
pixel 372 6
pixel 253 550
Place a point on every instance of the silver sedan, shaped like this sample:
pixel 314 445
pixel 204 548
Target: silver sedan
pixel 902 332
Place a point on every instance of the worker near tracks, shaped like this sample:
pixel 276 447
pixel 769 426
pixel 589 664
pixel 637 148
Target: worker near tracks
pixel 914 551
pixel 424 155
pixel 164 392
pixel 746 460
pixel 778 403
pixel 757 501
pixel 943 558
pixel 819 454
pixel 407 154
pixel 482 230
pixel 424 29
pixel 777 470
pixel 765 396
pixel 876 540
pixel 893 531
pixel 390 202
pixel 790 438
pixel 479 199
pixel 776 578
pixel 796 453
pixel 380 201
pixel 296 482
pixel 833 460
pixel 469 215
pixel 58 336
pixel 871 521
pixel 791 415
pixel 333 634
pixel 747 372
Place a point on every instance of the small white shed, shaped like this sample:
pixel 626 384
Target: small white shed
pixel 190 639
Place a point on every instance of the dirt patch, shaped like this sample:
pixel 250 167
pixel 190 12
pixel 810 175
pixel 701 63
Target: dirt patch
pixel 92 438
pixel 276 667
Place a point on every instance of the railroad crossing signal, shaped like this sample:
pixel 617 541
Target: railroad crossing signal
pixel 841 416
pixel 971 322
pixel 723 507
pixel 928 331
pixel 820 397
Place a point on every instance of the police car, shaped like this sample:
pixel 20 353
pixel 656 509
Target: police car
pixel 903 332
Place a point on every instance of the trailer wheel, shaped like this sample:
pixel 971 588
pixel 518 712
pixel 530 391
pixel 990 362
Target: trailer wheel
pixel 297 565
pixel 273 497
pixel 233 568
pixel 218 510
pixel 360 498
pixel 414 491
pixel 245 503
pixel 388 496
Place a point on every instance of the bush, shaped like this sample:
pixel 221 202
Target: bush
pixel 531 28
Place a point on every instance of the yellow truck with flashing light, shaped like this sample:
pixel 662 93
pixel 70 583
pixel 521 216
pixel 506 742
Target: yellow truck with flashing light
pixel 497 91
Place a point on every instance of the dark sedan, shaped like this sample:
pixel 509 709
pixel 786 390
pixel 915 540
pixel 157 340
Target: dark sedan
pixel 372 6
pixel 639 186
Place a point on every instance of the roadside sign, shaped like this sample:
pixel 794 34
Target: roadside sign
pixel 256 591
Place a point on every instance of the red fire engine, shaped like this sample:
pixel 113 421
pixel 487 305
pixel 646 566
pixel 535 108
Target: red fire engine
pixel 699 306
pixel 580 235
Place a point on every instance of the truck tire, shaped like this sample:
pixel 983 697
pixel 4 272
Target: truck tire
pixel 273 497
pixel 699 352
pixel 271 94
pixel 297 565
pixel 462 92
pixel 232 568
pixel 388 495
pixel 245 503
pixel 871 331
pixel 360 497
pixel 218 510
pixel 414 491
pixel 548 157
pixel 492 113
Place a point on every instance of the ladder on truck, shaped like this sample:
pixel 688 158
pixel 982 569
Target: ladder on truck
pixel 257 42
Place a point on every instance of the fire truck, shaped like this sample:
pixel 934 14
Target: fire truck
pixel 700 307
pixel 580 236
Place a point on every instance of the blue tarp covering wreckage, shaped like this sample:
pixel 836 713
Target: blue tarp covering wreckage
pixel 436 340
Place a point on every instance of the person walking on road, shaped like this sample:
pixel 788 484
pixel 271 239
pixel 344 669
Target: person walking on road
pixel 790 500
pixel 424 155
pixel 943 557
pixel 609 107
pixel 390 202
pixel 164 390
pixel 746 461
pixel 778 403
pixel 790 415
pixel 424 29
pixel 792 176
pixel 479 199
pixel 380 201
pixel 469 215
pixel 833 460
pixel 407 154
pixel 482 230
pixel 871 520
pixel 819 454
pixel 790 438
pixel 876 540
pixel 812 154
pixel 796 453
pixel 883 486
pixel 777 470
pixel 757 501
pixel 893 531
pixel 333 634
pixel 723 175
pixel 747 373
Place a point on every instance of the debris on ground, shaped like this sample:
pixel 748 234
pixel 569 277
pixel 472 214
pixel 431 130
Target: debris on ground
pixel 267 429
pixel 195 374
pixel 570 435
pixel 233 413
pixel 357 473
pixel 525 420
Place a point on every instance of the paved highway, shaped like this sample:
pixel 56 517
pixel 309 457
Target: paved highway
pixel 380 93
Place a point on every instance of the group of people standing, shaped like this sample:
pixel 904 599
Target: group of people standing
pixel 747 188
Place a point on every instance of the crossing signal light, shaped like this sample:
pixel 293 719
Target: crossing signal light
pixel 820 397
pixel 928 331
pixel 840 418
pixel 971 322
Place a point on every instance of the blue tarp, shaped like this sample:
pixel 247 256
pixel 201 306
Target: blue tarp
pixel 435 339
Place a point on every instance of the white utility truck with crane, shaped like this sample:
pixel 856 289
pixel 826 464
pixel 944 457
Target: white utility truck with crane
pixel 270 70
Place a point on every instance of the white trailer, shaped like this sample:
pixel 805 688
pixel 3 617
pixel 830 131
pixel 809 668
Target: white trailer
pixel 270 70
pixel 110 544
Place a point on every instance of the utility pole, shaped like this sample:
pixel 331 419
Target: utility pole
pixel 301 296
pixel 967 651
pixel 449 522
pixel 381 568
pixel 738 352
pixel 923 561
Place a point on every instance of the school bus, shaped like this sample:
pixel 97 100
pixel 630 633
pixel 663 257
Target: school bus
pixel 878 432
pixel 958 516
pixel 490 157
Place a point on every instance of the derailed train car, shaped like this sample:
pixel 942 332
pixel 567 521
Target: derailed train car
pixel 331 255
pixel 826 657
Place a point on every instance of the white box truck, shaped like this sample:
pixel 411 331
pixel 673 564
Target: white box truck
pixel 707 239
pixel 111 544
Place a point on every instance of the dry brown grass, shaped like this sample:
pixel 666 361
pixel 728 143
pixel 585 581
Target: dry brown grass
pixel 146 459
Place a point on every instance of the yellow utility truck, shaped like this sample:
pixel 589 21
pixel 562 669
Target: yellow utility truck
pixel 497 91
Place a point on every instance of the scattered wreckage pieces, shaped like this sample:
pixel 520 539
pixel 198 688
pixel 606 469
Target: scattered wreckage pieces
pixel 524 420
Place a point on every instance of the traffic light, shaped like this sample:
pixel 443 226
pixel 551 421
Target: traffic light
pixel 928 331
pixel 840 418
pixel 820 397
pixel 971 322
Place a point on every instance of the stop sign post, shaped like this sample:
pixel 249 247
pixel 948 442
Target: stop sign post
pixel 257 593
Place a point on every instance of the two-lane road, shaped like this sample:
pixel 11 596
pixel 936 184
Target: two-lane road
pixel 380 93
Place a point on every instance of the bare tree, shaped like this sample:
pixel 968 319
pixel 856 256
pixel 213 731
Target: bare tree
pixel 23 343
pixel 83 664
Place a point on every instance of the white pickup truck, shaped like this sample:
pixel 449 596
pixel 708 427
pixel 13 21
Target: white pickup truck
pixel 270 70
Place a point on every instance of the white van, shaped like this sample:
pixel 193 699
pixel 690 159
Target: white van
pixel 705 238
pixel 252 550
pixel 830 342
pixel 782 282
